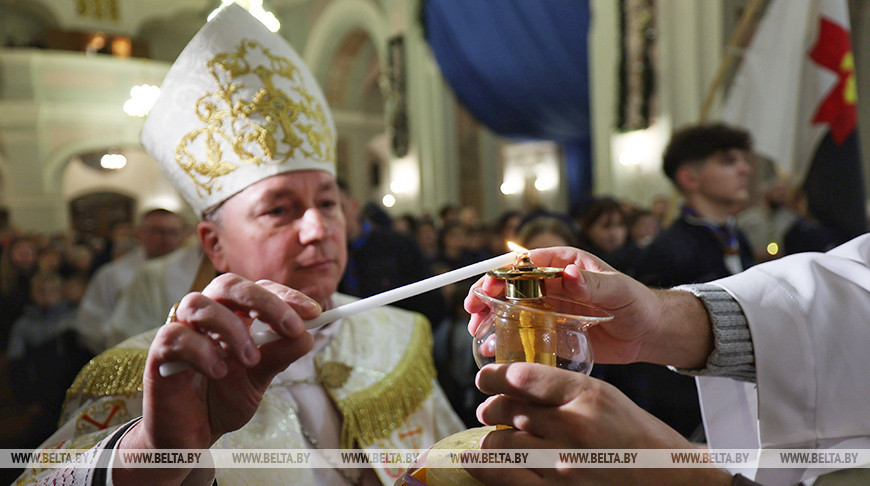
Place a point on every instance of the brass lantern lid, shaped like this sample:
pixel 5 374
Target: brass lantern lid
pixel 524 279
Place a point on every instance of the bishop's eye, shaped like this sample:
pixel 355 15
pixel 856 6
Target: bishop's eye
pixel 328 204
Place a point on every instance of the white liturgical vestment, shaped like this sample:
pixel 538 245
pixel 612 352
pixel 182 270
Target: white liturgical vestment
pixel 809 316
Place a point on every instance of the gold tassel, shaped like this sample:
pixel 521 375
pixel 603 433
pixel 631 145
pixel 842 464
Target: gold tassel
pixel 118 371
pixel 378 410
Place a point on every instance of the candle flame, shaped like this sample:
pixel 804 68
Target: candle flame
pixel 515 247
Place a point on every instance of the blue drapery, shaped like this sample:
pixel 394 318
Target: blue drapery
pixel 521 67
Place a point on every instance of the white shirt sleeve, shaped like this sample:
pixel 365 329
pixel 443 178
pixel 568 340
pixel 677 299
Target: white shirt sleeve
pixel 809 316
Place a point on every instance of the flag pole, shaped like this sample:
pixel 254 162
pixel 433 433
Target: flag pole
pixel 735 45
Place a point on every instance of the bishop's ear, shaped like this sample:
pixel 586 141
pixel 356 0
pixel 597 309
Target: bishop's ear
pixel 210 238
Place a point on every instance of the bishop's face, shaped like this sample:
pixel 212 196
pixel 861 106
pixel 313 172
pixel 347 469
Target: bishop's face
pixel 288 228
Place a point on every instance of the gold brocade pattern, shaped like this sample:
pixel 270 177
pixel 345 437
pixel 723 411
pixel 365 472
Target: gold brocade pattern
pixel 270 128
pixel 101 415
pixel 82 442
pixel 334 374
pixel 117 371
pixel 376 411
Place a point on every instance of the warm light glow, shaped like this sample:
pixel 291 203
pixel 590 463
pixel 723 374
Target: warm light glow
pixel 772 248
pixel 97 42
pixel 255 7
pixel 629 158
pixel 515 247
pixel 405 177
pixel 640 150
pixel 514 181
pixel 142 99
pixel 389 200
pixel 546 173
pixel 546 183
pixel 507 188
pixel 121 47
pixel 113 161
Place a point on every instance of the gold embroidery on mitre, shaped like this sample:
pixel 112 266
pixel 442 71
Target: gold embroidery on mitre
pixel 117 371
pixel 271 128
pixel 375 412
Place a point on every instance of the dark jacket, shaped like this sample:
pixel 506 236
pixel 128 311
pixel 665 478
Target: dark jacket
pixel 687 253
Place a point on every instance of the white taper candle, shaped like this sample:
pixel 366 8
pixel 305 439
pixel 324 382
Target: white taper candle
pixel 384 298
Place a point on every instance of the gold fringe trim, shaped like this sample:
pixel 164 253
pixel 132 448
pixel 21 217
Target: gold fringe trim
pixel 117 371
pixel 375 412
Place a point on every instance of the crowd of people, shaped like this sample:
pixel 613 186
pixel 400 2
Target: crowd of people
pixel 45 277
pixel 616 230
pixel 53 288
pixel 43 280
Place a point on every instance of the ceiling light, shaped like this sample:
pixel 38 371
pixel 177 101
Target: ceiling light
pixel 142 99
pixel 113 161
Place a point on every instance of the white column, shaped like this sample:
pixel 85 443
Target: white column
pixel 432 122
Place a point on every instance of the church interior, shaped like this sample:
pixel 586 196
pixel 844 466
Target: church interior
pixel 488 107
pixel 74 72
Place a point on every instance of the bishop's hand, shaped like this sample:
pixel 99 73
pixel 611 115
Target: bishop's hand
pixel 229 374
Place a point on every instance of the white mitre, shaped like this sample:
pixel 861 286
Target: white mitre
pixel 237 106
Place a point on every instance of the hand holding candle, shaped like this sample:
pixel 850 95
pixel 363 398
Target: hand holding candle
pixel 385 298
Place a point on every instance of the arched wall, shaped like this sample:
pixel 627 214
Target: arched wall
pixel 336 21
pixel 356 128
pixel 60 157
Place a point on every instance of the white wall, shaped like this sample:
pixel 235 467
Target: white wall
pixel 53 106
pixel 689 49
pixel 139 180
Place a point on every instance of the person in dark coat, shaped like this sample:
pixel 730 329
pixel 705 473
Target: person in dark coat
pixel 711 167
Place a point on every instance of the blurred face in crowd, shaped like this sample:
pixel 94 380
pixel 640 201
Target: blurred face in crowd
pixel 644 229
pixel 81 257
pixel 511 226
pixel 50 259
pixel 476 238
pixel 427 238
pixel 287 228
pixel 453 240
pixel 778 194
pixel 402 225
pixel 352 220
pixel 122 231
pixel 545 239
pixel 46 290
pixel 723 178
pixel 608 232
pixel 659 208
pixel 23 253
pixel 161 233
pixel 468 217
pixel 74 288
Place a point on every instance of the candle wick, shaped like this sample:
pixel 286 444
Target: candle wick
pixel 524 263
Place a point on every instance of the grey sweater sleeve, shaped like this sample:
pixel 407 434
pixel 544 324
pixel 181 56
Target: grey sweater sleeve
pixel 733 354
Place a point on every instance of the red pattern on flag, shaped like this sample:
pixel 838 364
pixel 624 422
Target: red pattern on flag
pixel 833 50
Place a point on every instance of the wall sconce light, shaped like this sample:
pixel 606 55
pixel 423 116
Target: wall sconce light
pixel 641 150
